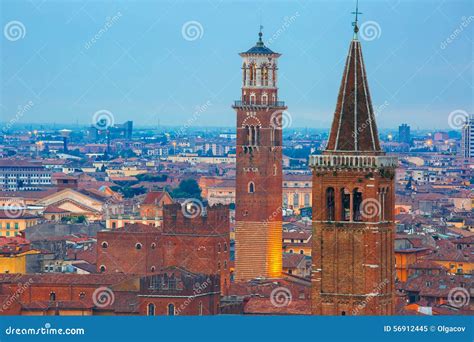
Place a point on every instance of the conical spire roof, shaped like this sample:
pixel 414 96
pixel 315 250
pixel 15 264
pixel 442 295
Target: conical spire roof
pixel 354 129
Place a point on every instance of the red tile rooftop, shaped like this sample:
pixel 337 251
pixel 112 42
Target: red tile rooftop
pixel 67 279
pixel 263 306
pixel 153 197
pixel 55 209
pixel 15 214
pixel 292 260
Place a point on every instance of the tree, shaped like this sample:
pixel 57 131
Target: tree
pixel 188 188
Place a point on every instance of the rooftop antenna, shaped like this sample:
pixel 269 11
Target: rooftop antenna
pixel 356 22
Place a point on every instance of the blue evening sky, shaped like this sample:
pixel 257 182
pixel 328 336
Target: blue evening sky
pixel 142 68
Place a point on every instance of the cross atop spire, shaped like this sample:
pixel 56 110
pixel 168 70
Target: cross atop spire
pixel 356 23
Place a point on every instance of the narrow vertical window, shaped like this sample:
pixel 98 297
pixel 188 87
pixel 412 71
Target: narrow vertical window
pixel 251 188
pixel 330 209
pixel 151 309
pixel 345 205
pixel 356 202
pixel 171 311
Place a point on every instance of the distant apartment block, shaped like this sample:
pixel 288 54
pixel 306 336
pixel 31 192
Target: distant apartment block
pixel 467 142
pixel 16 175
pixel 404 135
pixel 117 131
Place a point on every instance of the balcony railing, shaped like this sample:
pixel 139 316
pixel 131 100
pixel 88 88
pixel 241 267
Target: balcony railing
pixel 352 161
pixel 269 104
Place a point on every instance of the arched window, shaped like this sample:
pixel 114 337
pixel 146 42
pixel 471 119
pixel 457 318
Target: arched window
pixel 285 200
pixel 252 98
pixel 105 244
pixel 152 268
pixel 218 248
pixel 251 188
pixel 247 135
pixel 252 75
pixel 265 75
pixel 330 207
pixel 356 202
pixel 102 268
pixel 171 311
pixel 153 245
pixel 200 309
pixel 275 170
pixel 225 264
pixel 296 200
pixel 307 200
pixel 257 135
pixel 345 205
pixel 225 246
pixel 244 73
pixel 52 296
pixel 265 99
pixel 151 309
pixel 138 245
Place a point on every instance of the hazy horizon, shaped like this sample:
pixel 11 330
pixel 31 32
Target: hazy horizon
pixel 143 60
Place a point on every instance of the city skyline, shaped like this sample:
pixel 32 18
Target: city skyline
pixel 196 53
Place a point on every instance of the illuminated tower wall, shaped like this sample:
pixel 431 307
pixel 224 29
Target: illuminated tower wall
pixel 258 230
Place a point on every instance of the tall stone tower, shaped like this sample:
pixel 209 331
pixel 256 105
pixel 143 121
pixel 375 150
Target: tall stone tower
pixel 353 206
pixel 258 215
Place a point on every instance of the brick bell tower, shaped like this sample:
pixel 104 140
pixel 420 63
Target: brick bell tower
pixel 353 206
pixel 258 215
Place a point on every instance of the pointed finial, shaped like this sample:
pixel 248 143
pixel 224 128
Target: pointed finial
pixel 260 34
pixel 356 22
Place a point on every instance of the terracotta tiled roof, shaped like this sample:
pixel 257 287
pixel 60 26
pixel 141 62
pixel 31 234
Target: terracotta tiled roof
pixel 55 209
pixel 292 260
pixel 153 197
pixel 62 278
pixel 263 306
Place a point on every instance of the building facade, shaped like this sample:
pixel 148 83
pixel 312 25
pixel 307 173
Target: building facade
pixel 467 141
pixel 17 175
pixel 353 207
pixel 258 229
